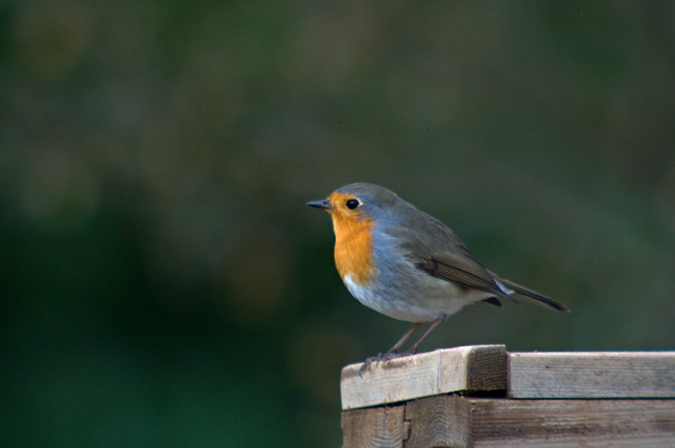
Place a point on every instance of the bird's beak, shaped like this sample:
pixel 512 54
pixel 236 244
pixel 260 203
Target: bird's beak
pixel 323 203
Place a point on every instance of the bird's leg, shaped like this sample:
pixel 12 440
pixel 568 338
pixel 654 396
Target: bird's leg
pixel 392 352
pixel 412 350
pixel 404 338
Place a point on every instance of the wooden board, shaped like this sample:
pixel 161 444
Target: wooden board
pixel 381 427
pixel 592 375
pixel 465 422
pixel 472 368
pixel 440 421
pixel 572 423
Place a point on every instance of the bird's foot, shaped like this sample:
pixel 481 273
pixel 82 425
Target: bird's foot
pixel 381 357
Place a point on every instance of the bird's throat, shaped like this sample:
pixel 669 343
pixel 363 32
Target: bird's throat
pixel 354 249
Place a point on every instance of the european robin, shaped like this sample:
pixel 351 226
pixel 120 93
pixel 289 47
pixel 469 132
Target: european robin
pixel 408 265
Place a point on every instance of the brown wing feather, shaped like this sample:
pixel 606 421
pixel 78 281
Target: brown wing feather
pixel 466 273
pixel 443 254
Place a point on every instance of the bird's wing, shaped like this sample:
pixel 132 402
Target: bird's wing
pixel 442 254
pixel 461 270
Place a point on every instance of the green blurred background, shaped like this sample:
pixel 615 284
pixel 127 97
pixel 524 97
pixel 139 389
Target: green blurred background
pixel 162 282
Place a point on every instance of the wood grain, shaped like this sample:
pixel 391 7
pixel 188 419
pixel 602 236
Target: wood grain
pixel 471 368
pixel 464 422
pixel 592 375
pixel 440 421
pixel 572 423
pixel 380 427
pixel 588 399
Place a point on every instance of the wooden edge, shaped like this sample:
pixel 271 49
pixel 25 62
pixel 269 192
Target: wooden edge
pixel 438 421
pixel 486 369
pixel 469 368
pixel 591 375
pixel 374 427
pixel 507 423
pixel 464 421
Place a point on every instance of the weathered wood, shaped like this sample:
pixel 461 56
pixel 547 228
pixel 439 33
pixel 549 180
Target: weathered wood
pixel 380 427
pixel 592 375
pixel 479 367
pixel 572 423
pixel 439 399
pixel 440 421
pixel 470 422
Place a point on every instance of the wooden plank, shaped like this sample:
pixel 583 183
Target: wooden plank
pixel 571 423
pixel 380 427
pixel 465 422
pixel 440 421
pixel 471 368
pixel 592 375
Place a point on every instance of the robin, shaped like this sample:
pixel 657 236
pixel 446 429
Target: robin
pixel 408 265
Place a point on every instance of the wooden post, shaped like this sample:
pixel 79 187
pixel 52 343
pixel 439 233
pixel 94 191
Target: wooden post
pixel 483 396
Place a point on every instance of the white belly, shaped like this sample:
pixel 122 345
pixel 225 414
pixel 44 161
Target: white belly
pixel 446 299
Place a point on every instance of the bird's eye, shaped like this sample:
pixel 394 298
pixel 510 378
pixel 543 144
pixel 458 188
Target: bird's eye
pixel 352 204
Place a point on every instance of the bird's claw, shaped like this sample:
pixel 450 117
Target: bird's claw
pixel 378 359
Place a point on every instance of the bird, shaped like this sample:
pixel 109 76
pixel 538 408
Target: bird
pixel 408 265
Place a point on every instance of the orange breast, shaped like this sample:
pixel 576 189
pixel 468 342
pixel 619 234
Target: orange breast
pixel 354 248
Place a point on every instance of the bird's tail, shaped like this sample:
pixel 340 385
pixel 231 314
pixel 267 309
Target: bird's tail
pixel 520 292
